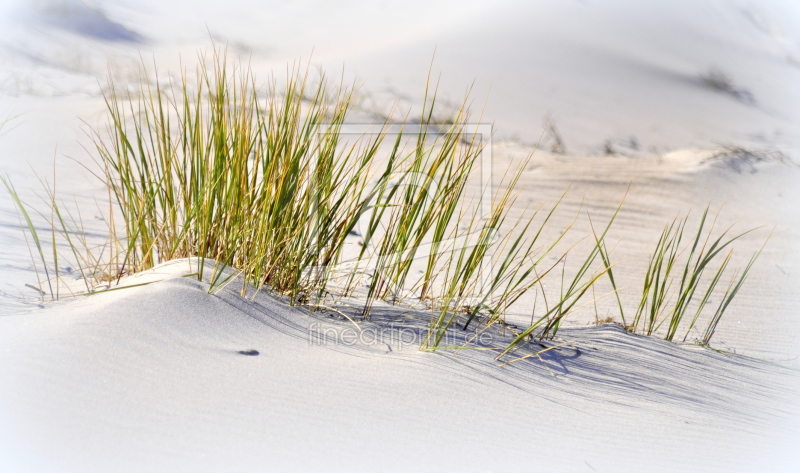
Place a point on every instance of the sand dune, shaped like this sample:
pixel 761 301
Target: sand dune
pixel 150 378
pixel 165 377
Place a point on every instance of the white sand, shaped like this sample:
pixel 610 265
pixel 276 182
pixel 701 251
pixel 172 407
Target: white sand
pixel 148 378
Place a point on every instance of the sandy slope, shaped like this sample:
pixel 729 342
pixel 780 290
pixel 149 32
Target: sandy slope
pixel 605 70
pixel 149 378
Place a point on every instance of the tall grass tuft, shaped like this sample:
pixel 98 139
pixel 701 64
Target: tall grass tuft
pixel 263 182
pixel 210 169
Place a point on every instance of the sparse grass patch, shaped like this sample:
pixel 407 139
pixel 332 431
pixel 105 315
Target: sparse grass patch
pixel 716 79
pixel 670 286
pixel 739 158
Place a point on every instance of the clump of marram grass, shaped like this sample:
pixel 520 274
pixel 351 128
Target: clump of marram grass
pixel 265 185
pixel 210 170
pixel 263 181
pixel 670 287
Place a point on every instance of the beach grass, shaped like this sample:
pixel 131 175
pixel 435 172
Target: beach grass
pixel 668 291
pixel 260 180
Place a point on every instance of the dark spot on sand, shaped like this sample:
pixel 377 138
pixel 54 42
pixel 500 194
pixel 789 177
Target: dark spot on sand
pixel 248 352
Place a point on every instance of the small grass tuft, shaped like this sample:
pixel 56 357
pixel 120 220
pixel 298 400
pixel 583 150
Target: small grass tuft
pixel 668 292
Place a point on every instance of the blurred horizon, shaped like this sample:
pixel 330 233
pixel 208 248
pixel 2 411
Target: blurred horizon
pixel 621 75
